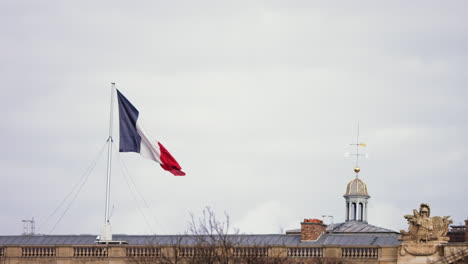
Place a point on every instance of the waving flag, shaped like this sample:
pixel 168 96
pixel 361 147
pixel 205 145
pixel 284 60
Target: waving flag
pixel 134 139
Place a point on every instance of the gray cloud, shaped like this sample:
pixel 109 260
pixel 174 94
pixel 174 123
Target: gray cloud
pixel 258 100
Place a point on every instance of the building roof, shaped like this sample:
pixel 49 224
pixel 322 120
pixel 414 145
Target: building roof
pixel 351 227
pixel 382 239
pixel 357 227
pixel 356 187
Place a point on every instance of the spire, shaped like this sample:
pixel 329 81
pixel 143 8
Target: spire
pixel 357 154
pixel 356 195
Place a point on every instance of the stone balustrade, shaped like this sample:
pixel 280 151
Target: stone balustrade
pixel 251 252
pixel 360 253
pixel 94 251
pixel 124 253
pixel 37 252
pixel 305 252
pixel 143 252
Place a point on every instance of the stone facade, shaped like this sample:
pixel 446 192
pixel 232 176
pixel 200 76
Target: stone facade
pixel 426 240
pixel 123 254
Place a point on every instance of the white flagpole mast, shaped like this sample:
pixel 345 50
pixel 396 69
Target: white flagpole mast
pixel 110 140
pixel 106 233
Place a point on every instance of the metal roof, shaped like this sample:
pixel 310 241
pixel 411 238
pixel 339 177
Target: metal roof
pixel 356 187
pixel 351 227
pixel 376 239
pixel 357 227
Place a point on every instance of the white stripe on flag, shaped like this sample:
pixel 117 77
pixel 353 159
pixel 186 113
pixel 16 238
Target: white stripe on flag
pixel 149 147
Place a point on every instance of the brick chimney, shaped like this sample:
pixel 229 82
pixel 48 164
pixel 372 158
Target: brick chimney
pixel 311 229
pixel 466 230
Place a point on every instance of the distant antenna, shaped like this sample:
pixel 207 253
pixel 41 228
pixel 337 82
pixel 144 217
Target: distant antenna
pixel 329 217
pixel 29 227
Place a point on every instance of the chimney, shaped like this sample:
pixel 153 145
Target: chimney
pixel 466 230
pixel 311 229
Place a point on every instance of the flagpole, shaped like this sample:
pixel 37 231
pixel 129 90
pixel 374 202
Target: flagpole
pixel 106 232
pixel 110 140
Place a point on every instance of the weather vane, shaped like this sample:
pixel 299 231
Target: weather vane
pixel 357 154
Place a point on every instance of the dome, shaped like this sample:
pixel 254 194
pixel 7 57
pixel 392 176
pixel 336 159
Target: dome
pixel 356 187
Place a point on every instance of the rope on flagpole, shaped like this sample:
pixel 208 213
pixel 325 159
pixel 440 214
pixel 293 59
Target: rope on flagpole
pixel 126 172
pixel 81 182
pixel 135 199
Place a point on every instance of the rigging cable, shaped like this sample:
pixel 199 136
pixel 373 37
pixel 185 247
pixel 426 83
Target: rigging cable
pixel 128 175
pixel 71 192
pixel 136 200
pixel 81 183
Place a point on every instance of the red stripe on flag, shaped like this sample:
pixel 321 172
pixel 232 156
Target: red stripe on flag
pixel 169 163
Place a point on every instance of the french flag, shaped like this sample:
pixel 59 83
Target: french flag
pixel 134 139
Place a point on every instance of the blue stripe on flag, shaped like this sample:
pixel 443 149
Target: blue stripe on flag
pixel 130 141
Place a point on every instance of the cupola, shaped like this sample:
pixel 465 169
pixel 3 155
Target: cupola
pixel 356 187
pixel 356 197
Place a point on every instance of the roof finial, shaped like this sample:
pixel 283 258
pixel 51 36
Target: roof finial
pixel 358 144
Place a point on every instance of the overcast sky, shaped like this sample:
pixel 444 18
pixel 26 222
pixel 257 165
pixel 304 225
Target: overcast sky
pixel 257 100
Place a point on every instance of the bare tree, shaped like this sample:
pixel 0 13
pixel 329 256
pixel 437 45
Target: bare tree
pixel 329 260
pixel 212 238
pixel 213 241
pixel 168 253
pixel 171 253
pixel 459 256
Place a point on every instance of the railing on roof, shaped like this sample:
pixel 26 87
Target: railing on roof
pixel 305 252
pixel 37 252
pixel 96 251
pixel 186 252
pixel 361 253
pixel 251 252
pixel 143 252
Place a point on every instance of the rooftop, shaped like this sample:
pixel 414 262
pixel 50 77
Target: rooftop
pixel 378 239
pixel 360 227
